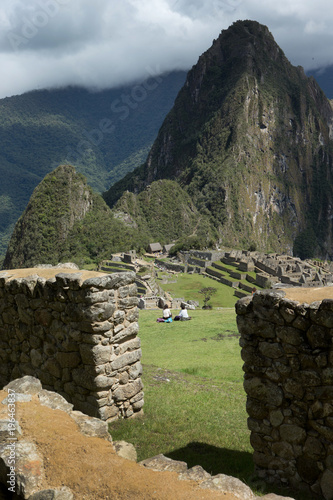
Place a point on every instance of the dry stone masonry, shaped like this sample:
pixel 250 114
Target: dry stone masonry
pixel 79 338
pixel 287 351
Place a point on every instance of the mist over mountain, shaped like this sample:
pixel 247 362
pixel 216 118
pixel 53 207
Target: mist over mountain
pixel 324 78
pixel 104 134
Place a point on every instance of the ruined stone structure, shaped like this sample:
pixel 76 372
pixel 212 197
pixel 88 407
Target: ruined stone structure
pixel 287 351
pixel 78 337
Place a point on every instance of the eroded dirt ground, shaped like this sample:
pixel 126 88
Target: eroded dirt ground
pixel 90 467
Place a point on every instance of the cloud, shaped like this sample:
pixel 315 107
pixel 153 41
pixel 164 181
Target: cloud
pixel 105 43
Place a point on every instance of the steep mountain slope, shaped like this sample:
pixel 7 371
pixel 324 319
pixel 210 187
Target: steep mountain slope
pixel 165 212
pixel 66 221
pixel 249 139
pixel 104 134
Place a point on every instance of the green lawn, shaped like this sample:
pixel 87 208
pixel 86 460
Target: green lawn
pixel 195 405
pixel 194 397
pixel 188 286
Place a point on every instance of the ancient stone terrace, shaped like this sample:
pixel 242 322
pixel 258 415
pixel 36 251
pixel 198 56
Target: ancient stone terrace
pixel 270 269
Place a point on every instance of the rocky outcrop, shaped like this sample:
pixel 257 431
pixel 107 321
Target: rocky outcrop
pixel 219 483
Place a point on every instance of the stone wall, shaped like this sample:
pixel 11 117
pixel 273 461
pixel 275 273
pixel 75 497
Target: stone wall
pixel 77 337
pixel 287 351
pixel 177 268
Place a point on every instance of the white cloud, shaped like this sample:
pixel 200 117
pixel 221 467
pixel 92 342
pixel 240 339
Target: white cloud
pixel 45 43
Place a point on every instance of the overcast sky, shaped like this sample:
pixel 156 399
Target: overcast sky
pixel 104 43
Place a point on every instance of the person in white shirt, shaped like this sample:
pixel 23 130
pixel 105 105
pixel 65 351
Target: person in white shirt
pixel 183 314
pixel 166 312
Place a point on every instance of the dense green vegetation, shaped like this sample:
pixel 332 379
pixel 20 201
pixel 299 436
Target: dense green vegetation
pixel 164 211
pixel 66 221
pixel 96 131
pixel 195 404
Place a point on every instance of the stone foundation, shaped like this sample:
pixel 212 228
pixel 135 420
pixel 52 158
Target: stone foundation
pixel 78 337
pixel 287 351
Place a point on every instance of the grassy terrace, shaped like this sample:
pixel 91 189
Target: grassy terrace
pixel 195 405
pixel 188 286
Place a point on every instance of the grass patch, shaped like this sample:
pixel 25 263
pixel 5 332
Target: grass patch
pixel 194 397
pixel 188 286
pixel 195 404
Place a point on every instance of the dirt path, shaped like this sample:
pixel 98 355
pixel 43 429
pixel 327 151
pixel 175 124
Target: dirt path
pixel 309 295
pixel 90 467
pixel 50 272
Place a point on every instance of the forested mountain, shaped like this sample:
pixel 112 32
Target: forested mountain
pixel 104 134
pixel 66 221
pixel 250 141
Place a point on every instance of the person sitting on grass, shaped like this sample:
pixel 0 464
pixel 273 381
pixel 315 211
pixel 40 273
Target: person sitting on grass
pixel 167 316
pixel 166 312
pixel 183 314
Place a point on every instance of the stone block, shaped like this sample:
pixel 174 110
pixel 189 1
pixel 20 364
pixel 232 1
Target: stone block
pixel 135 370
pixel 95 355
pixel 54 401
pixel 126 359
pixel 62 493
pixel 271 350
pixel 263 391
pixel 90 426
pixel 292 434
pixel 52 366
pixel 318 337
pixel 104 382
pixel 196 473
pixel 125 450
pixel 127 391
pixel 28 467
pixel 228 484
pixel 36 358
pixel 130 345
pixel 128 303
pixel 108 412
pixel 326 484
pixel 162 463
pixel 289 335
pixel 91 297
pixel 138 405
pixel 68 359
pixel 25 385
pixel 126 333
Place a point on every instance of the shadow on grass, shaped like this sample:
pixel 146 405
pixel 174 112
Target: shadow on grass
pixel 231 463
pixel 216 460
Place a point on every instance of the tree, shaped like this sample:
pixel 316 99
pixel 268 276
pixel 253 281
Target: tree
pixel 207 292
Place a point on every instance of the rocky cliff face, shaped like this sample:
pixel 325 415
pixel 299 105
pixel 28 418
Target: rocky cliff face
pixel 250 139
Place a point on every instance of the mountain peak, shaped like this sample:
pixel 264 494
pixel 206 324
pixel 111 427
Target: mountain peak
pixel 249 139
